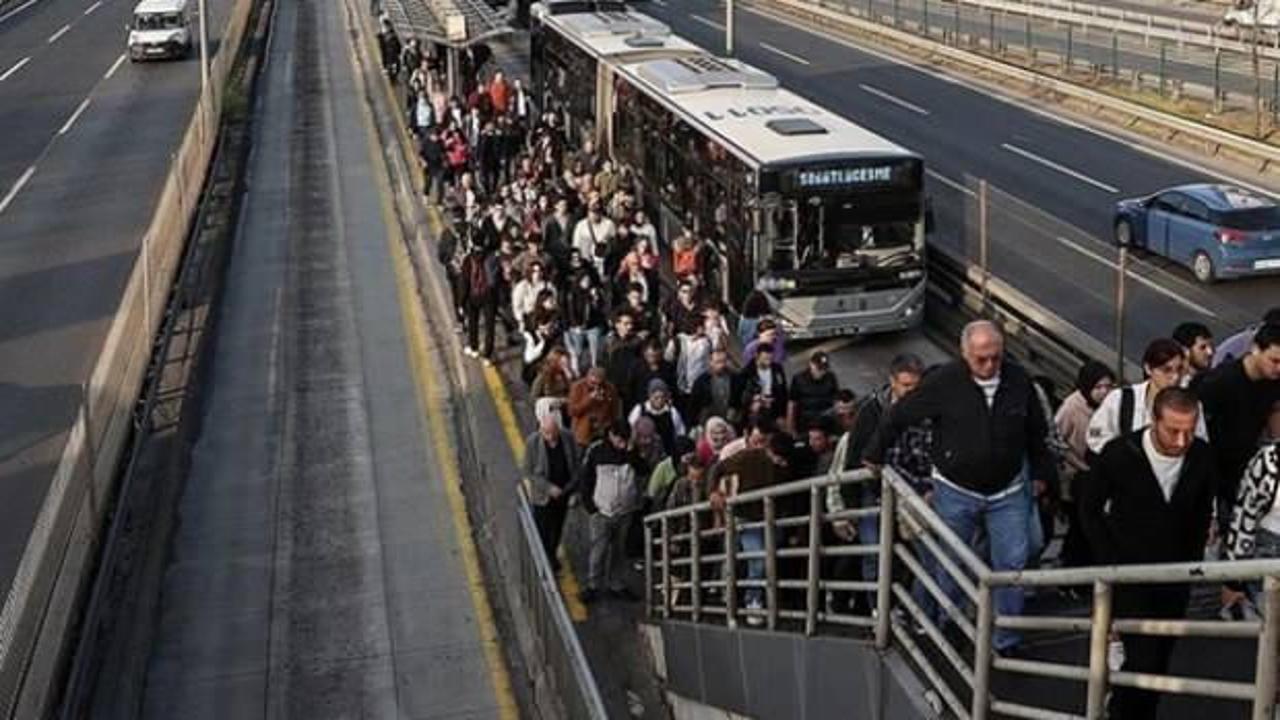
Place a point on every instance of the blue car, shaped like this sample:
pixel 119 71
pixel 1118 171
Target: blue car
pixel 1218 231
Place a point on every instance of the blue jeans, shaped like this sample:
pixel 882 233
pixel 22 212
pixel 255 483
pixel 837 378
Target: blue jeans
pixel 583 345
pixel 747 330
pixel 753 541
pixel 1005 521
pixel 869 532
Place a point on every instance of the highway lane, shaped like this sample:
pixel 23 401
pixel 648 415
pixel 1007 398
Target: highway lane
pixel 27 33
pixel 1073 174
pixel 49 81
pixel 68 239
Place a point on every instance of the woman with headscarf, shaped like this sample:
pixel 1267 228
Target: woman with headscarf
pixel 716 434
pixel 1093 383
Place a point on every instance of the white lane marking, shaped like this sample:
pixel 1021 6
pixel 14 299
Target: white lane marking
pixel 17 10
pixel 705 21
pixel 17 187
pixel 114 66
pixel 74 116
pixel 16 67
pixel 1059 167
pixel 1015 102
pixel 894 99
pixel 1148 282
pixel 61 31
pixel 950 183
pixel 660 3
pixel 89 10
pixel 779 51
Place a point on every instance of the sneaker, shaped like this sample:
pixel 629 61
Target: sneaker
pixel 486 362
pixel 589 596
pixel 470 351
pixel 1243 610
pixel 755 620
pixel 1115 655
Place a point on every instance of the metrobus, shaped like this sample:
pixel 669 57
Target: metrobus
pixel 825 218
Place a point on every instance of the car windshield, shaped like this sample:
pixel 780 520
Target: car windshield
pixel 157 21
pixel 1251 220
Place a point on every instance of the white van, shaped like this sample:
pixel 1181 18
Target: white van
pixel 160 29
pixel 1245 12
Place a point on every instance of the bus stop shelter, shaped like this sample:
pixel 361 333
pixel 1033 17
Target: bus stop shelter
pixel 454 25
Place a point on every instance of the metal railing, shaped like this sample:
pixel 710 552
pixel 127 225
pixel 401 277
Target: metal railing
pixel 559 652
pixel 931 596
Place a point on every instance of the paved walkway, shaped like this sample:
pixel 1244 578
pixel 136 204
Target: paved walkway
pixel 320 569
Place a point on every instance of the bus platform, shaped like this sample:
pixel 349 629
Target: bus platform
pixel 322 565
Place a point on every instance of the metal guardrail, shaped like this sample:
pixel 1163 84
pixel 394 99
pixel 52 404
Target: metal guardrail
pixel 694 570
pixel 1147 26
pixel 1034 335
pixel 560 649
pixel 1214 141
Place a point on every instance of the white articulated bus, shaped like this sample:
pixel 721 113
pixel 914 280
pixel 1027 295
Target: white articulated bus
pixel 824 217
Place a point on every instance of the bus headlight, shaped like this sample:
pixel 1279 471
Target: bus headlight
pixel 774 284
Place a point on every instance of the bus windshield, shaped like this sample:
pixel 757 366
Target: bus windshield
pixel 840 234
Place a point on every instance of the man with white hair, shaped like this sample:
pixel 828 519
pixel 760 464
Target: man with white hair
pixel 988 441
pixel 550 470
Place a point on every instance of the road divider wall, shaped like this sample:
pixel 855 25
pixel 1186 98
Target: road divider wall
pixel 41 612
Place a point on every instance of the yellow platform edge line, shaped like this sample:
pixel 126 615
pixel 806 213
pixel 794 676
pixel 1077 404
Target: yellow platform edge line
pixel 570 589
pixel 430 394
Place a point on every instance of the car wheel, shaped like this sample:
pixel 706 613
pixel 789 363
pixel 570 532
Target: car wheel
pixel 1202 267
pixel 1124 233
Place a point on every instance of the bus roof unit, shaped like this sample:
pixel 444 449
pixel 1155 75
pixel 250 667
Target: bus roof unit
pixel 614 34
pixel 747 109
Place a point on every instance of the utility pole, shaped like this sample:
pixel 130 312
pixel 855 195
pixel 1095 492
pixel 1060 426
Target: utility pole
pixel 204 50
pixel 1257 73
pixel 728 28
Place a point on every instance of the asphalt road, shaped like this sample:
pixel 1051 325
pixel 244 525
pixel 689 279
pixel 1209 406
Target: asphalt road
pixel 317 571
pixel 1058 181
pixel 85 142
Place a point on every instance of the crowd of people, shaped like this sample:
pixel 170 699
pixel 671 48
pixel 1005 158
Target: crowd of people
pixel 646 398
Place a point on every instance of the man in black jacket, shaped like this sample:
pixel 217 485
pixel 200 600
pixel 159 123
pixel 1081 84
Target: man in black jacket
pixel 764 379
pixel 812 392
pixel 1148 500
pixel 1237 397
pixel 988 442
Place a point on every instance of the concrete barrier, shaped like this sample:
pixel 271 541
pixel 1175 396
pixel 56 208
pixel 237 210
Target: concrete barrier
pixel 41 611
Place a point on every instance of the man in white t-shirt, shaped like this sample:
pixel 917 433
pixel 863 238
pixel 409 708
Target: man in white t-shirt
pixel 1149 499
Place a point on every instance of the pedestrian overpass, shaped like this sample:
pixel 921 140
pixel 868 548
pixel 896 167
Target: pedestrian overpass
pixel 797 658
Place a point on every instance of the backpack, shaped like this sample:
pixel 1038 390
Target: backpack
pixel 478 277
pixel 685 262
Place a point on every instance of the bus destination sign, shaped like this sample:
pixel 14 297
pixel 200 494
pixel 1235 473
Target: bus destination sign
pixel 846 176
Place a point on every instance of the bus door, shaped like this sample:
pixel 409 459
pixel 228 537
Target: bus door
pixel 777 242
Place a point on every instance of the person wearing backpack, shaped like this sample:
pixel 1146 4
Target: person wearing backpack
pixel 1128 409
pixel 479 279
